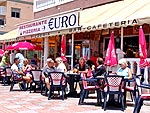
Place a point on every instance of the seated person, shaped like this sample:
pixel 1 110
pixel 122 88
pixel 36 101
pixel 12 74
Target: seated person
pixel 100 68
pixel 49 67
pixel 60 66
pixel 81 66
pixel 15 69
pixel 124 70
pixel 65 61
pixel 26 69
pixel 35 61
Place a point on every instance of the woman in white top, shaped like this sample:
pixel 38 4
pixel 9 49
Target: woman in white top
pixel 60 66
pixel 124 70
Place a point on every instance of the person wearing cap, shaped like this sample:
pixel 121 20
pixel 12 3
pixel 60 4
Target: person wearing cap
pixel 60 66
pixel 49 67
pixel 124 70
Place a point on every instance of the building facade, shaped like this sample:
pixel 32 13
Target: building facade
pixel 86 25
pixel 50 7
pixel 80 44
pixel 97 19
pixel 13 12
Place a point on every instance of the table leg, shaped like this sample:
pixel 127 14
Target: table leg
pixel 72 92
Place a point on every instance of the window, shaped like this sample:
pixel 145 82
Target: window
pixel 2 21
pixel 15 12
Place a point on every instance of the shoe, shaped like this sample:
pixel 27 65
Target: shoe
pixel 81 103
pixel 52 94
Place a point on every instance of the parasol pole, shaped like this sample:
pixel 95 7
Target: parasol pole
pixel 72 52
pixel 122 38
pixel 146 75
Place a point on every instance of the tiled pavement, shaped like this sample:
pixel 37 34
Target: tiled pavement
pixel 25 102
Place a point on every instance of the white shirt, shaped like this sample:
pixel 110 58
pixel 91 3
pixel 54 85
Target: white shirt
pixel 14 67
pixel 61 67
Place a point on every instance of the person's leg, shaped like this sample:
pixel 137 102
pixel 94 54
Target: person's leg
pixel 27 79
pixel 47 83
pixel 81 86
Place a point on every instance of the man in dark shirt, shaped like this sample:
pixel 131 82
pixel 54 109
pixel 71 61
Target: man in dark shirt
pixel 100 68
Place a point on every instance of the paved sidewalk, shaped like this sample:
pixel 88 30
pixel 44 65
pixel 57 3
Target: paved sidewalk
pixel 25 102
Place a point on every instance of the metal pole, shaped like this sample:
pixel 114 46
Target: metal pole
pixel 72 51
pixel 122 38
pixel 46 42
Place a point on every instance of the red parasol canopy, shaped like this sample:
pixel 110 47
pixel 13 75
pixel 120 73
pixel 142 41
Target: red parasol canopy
pixel 23 46
pixel 111 58
pixel 63 48
pixel 142 48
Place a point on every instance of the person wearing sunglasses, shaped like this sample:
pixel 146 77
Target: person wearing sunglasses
pixel 124 70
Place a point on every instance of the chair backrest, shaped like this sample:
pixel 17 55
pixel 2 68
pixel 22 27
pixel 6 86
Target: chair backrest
pixel 89 73
pixel 16 77
pixel 1 68
pixel 8 71
pixel 2 71
pixel 83 76
pixel 57 78
pixel 114 83
pixel 88 81
pixel 36 75
pixel 139 83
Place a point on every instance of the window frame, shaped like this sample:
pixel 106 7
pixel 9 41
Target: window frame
pixel 15 12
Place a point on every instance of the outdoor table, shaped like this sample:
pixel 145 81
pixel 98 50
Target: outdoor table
pixel 72 76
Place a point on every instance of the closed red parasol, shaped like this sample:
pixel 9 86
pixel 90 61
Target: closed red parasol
pixel 63 48
pixel 111 58
pixel 142 48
